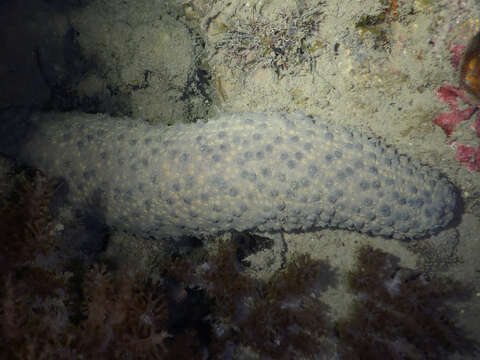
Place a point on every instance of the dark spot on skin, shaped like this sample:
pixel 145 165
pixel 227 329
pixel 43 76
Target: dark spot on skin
pixel 184 157
pixel 284 156
pixel 154 151
pixel 257 137
pixel 385 210
pixel 259 155
pixel 307 146
pixel 205 149
pixel 128 196
pixel 247 155
pixel 416 203
pixel 222 134
pixel 147 141
pixel 89 174
pixel 133 142
pixel 80 144
pixel 278 140
pixel 144 162
pixel 268 148
pixel 294 139
pixel 364 185
pixel 266 172
pixel 291 164
pixel 312 170
pixel 298 155
pixel 338 154
pixel 332 199
pixel 216 157
pixel 358 164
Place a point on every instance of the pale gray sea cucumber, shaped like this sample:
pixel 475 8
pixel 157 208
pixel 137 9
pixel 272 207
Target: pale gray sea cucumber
pixel 253 171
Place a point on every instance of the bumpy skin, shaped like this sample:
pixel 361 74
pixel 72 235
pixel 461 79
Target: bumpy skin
pixel 262 172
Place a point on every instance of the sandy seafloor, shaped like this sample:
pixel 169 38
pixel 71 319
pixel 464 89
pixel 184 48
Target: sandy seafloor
pixel 352 62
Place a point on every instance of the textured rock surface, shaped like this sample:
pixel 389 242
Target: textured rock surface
pixel 265 172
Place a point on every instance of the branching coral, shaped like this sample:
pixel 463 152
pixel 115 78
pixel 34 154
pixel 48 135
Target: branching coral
pixel 398 313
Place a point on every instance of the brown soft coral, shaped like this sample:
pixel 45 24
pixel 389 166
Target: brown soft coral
pixel 25 222
pixel 125 317
pixel 282 318
pixel 398 313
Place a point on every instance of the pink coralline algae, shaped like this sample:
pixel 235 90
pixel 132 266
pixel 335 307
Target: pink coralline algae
pixel 468 156
pixel 466 59
pixel 450 95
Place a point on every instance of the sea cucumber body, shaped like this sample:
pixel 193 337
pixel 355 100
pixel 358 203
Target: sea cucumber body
pixel 253 171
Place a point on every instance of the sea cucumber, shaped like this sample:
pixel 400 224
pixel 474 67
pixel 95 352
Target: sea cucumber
pixel 264 172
